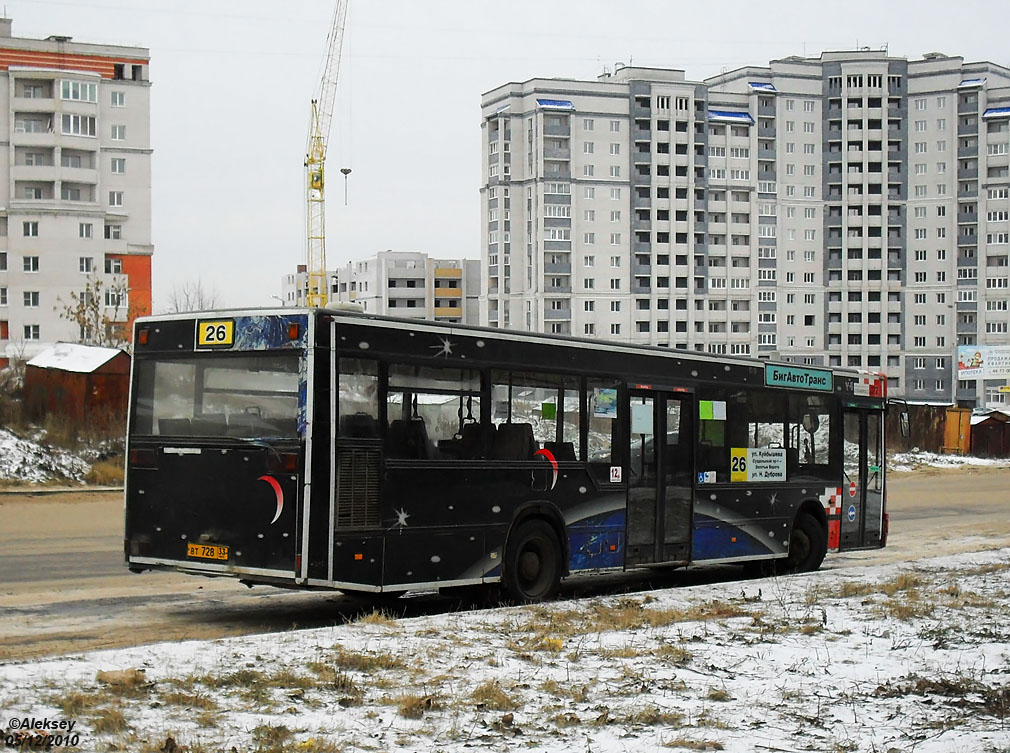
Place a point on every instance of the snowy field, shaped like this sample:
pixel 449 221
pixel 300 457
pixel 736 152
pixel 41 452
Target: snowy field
pixel 880 659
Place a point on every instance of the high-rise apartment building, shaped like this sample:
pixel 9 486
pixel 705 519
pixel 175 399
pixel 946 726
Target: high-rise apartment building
pixel 401 283
pixel 851 209
pixel 75 205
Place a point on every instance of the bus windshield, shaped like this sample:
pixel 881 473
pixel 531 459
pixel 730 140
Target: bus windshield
pixel 218 395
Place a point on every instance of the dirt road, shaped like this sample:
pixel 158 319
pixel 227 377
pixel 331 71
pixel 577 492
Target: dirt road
pixel 64 589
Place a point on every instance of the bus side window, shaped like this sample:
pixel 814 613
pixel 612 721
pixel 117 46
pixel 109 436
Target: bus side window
pixel 602 412
pixel 358 398
pixel 547 403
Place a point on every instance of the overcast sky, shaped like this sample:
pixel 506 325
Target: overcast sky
pixel 233 81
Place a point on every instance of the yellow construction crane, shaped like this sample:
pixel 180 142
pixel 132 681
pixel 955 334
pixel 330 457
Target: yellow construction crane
pixel 315 162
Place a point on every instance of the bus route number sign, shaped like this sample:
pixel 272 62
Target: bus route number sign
pixel 219 333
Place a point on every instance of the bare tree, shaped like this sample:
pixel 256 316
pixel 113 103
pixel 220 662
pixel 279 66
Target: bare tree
pixel 191 296
pixel 100 313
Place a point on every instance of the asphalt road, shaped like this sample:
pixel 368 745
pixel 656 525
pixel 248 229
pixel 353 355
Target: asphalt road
pixel 64 588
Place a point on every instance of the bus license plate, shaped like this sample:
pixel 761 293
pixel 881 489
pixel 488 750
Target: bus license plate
pixel 207 551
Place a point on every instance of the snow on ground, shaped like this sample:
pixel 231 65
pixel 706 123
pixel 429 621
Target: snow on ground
pixel 916 458
pixel 27 460
pixel 859 659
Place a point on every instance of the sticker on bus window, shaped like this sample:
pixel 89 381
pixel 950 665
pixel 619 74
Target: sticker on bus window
pixel 219 333
pixel 757 464
pixel 712 410
pixel 604 402
pixel 615 474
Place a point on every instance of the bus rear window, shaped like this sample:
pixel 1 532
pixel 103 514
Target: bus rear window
pixel 247 397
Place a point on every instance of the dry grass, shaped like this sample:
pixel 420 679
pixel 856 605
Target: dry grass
pixel 377 617
pixel 689 744
pixel 189 700
pixel 653 715
pixel 412 706
pixel 673 654
pixel 107 472
pixel 108 721
pixel 365 662
pixel 492 695
pixel 719 694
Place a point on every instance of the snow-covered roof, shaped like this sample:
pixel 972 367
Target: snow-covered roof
pixel 971 83
pixel 997 112
pixel 555 104
pixel 73 357
pixel 977 418
pixel 730 116
pixel 762 86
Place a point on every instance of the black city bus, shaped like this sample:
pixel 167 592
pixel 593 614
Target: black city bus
pixel 328 449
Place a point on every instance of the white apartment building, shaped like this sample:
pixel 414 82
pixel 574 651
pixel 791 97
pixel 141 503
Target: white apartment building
pixel 401 283
pixel 75 205
pixel 849 209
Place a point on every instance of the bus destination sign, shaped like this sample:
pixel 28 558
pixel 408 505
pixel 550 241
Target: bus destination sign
pixel 791 376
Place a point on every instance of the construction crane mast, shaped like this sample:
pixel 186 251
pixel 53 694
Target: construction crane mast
pixel 315 161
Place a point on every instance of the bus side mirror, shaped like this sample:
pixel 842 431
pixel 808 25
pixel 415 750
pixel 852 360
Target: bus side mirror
pixel 903 423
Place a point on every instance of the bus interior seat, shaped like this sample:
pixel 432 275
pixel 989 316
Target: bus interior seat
pixel 359 426
pixel 466 445
pixel 408 439
pixel 174 426
pixel 561 450
pixel 513 442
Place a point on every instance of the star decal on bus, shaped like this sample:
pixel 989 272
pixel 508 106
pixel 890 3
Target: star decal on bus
pixel 445 349
pixel 401 519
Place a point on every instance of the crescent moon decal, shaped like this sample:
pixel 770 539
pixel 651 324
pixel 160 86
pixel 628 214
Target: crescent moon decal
pixel 277 491
pixel 554 464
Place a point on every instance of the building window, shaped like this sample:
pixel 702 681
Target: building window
pixel 119 133
pixel 119 99
pixel 113 232
pixel 115 198
pixel 113 266
pixel 78 125
pixel 79 91
pixel 30 229
pixel 119 165
pixel 32 332
pixel 87 265
pixel 31 264
pixel 615 329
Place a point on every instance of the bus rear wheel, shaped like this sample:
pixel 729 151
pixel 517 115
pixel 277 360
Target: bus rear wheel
pixel 532 562
pixel 808 543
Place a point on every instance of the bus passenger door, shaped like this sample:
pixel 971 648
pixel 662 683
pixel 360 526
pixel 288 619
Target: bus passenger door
pixel 862 507
pixel 660 476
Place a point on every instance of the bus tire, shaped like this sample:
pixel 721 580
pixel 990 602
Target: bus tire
pixel 532 569
pixel 808 543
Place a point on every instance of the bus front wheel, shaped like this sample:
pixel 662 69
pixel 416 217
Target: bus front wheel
pixel 532 562
pixel 808 543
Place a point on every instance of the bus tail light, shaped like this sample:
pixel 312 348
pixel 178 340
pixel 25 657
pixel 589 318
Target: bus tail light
pixel 142 336
pixel 143 457
pixel 282 462
pixel 293 330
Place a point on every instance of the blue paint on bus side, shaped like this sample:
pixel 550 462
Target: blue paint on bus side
pixel 270 332
pixel 597 543
pixel 717 539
